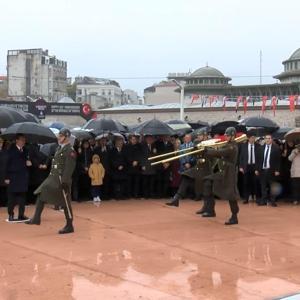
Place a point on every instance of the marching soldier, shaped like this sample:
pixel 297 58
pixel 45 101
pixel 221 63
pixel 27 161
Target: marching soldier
pixel 57 186
pixel 223 183
pixel 193 178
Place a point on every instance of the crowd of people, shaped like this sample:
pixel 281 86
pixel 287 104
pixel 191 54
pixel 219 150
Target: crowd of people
pixel 117 167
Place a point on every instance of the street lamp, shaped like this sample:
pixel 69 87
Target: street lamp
pixel 181 85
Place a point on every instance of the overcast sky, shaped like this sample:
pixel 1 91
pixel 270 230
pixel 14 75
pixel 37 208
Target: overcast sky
pixel 130 39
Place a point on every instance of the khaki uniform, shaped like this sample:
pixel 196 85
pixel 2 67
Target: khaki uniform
pixel 62 168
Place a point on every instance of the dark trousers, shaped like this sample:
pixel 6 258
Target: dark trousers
pixel 266 180
pixel 249 182
pixel 3 196
pixel 134 185
pixel 209 200
pixel 16 199
pixel 296 188
pixel 162 183
pixel 120 188
pixel 186 184
pixel 148 186
pixel 95 191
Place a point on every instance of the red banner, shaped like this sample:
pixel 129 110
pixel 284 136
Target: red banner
pixel 263 105
pixel 292 102
pixel 274 104
pixel 245 104
pixel 238 100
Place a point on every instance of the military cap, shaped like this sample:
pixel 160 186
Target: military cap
pixel 65 132
pixel 230 131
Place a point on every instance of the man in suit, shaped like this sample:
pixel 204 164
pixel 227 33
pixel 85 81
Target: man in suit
pixel 248 152
pixel 17 178
pixel 267 168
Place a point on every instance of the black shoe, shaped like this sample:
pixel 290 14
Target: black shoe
pixel 245 202
pixel 232 221
pixel 32 222
pixel 173 203
pixel 66 229
pixel 23 218
pixel 273 204
pixel 11 218
pixel 208 214
pixel 200 211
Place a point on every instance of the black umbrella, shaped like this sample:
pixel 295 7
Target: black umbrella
pixel 99 126
pixel 280 133
pixel 199 124
pixel 34 133
pixel 32 118
pixel 82 134
pixel 49 149
pixel 220 127
pixel 10 116
pixel 154 127
pixel 260 122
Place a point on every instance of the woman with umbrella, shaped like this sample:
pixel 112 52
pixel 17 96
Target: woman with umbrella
pixel 294 157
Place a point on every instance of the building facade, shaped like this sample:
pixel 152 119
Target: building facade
pixel 33 73
pixel 105 92
pixel 163 92
pixel 210 82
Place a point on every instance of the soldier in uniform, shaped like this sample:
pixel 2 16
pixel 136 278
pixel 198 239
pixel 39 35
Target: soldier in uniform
pixel 193 178
pixel 57 186
pixel 223 183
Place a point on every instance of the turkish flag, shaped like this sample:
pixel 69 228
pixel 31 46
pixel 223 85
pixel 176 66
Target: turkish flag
pixel 238 100
pixel 274 104
pixel 263 106
pixel 245 104
pixel 292 102
pixel 194 97
pixel 224 103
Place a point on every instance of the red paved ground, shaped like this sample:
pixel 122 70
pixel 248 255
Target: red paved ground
pixel 145 250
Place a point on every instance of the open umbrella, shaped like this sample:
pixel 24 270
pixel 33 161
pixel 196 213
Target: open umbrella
pixel 180 127
pixel 10 116
pixel 32 118
pixel 199 124
pixel 34 133
pixel 57 125
pixel 280 133
pixel 220 127
pixel 82 134
pixel 293 135
pixel 262 122
pixel 99 126
pixel 154 127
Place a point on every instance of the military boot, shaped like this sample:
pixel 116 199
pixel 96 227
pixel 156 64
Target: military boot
pixel 175 201
pixel 203 209
pixel 69 226
pixel 234 211
pixel 36 220
pixel 210 207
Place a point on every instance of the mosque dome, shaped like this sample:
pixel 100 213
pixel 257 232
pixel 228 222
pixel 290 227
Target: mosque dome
pixel 207 72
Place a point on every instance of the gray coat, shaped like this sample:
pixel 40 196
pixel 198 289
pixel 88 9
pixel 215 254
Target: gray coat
pixel 62 168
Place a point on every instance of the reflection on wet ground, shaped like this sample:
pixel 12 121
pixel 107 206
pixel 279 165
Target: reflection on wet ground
pixel 145 250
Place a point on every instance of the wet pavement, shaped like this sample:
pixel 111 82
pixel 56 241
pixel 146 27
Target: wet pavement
pixel 142 249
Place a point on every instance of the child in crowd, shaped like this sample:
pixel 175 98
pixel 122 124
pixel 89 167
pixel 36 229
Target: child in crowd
pixel 96 173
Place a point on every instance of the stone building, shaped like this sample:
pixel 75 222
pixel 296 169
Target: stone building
pixel 101 92
pixel 33 73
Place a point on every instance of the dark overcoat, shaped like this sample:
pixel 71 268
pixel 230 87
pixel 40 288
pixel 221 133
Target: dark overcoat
pixel 62 168
pixel 202 169
pixel 16 170
pixel 225 179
